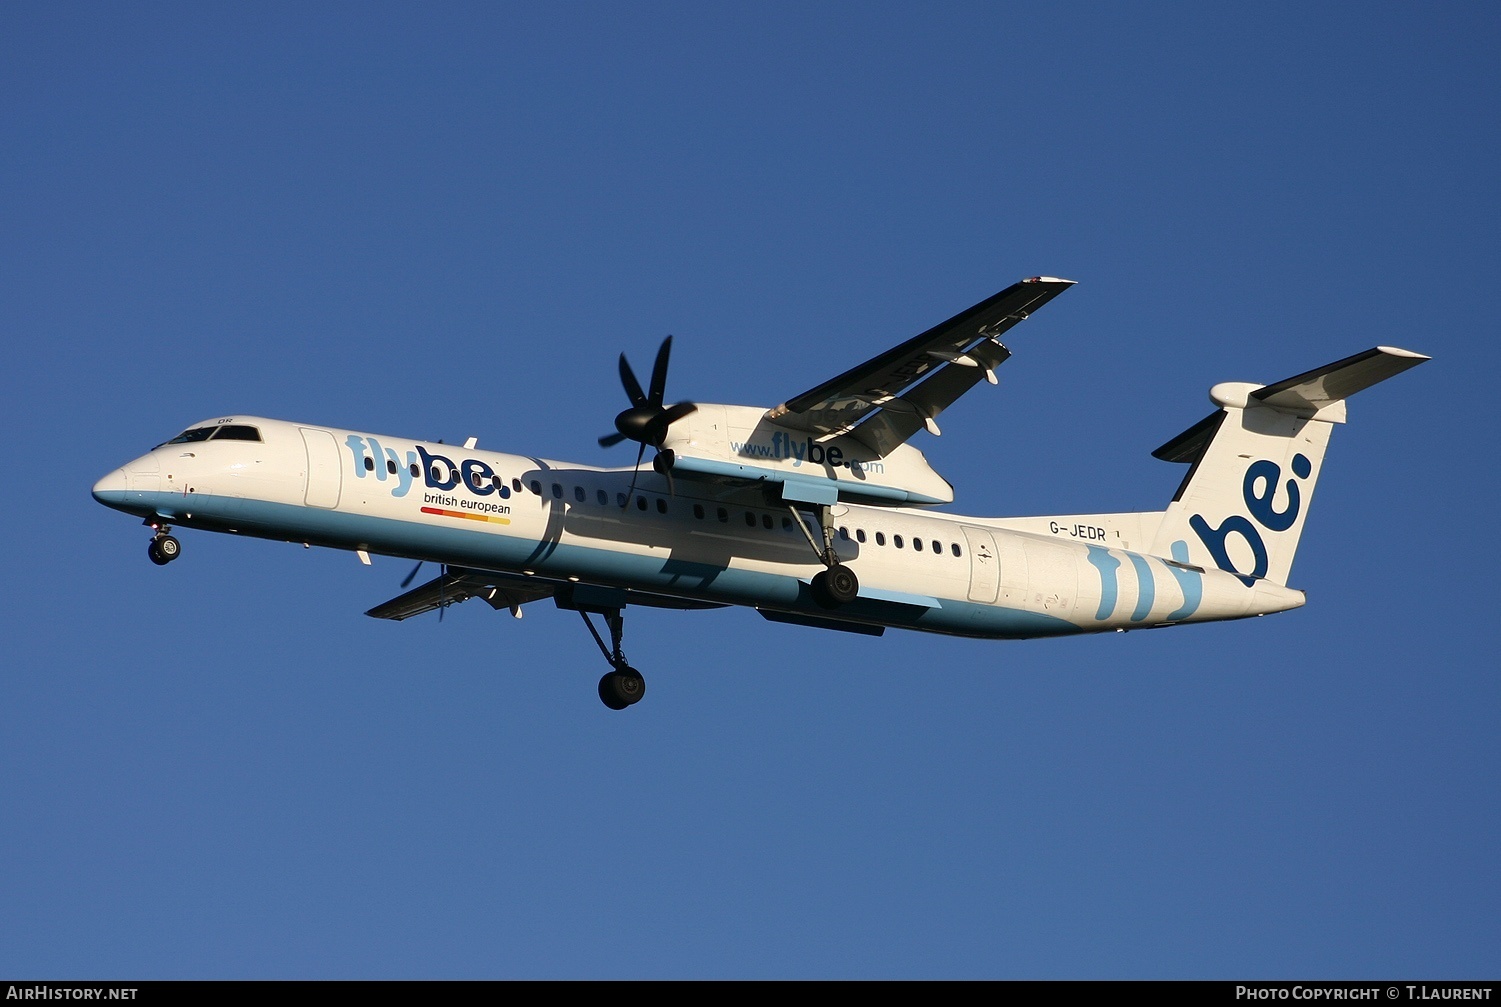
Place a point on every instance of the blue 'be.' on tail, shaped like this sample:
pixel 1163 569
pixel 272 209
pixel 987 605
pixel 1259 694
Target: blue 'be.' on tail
pixel 1255 462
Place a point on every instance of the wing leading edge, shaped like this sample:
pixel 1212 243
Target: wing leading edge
pixel 890 397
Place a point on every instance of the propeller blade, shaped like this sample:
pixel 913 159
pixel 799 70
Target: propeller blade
pixel 647 420
pixel 656 430
pixel 659 373
pixel 409 576
pixel 677 412
pixel 632 386
pixel 632 491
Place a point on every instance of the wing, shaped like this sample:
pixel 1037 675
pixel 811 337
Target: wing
pixel 456 585
pixel 891 397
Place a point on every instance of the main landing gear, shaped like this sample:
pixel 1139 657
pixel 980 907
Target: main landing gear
pixel 837 584
pixel 623 685
pixel 163 548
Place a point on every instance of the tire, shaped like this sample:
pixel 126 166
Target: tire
pixel 835 586
pixel 619 689
pixel 843 586
pixel 169 548
pixel 155 554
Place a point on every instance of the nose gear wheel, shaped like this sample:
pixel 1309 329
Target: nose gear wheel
pixel 163 548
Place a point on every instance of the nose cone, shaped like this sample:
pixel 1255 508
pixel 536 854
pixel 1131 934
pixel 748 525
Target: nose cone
pixel 110 490
pixel 127 487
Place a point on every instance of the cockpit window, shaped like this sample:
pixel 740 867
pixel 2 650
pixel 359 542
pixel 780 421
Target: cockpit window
pixel 194 434
pixel 227 432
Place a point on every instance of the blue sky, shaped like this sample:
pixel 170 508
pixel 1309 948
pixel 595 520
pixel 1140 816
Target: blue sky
pixel 445 223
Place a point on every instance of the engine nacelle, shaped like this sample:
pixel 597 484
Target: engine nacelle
pixel 739 443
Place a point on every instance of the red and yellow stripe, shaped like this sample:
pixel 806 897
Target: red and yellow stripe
pixel 440 512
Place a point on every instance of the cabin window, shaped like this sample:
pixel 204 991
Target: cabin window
pixel 641 503
pixel 723 515
pixel 750 519
pixel 621 500
pixel 880 538
pixel 917 544
pixel 536 487
pixel 557 491
pixel 369 464
pixel 844 533
pixel 416 472
pixel 860 535
pixel 602 497
pixel 954 548
pixel 937 547
pixel 515 483
pixel 698 510
pixel 661 506
pixel 896 540
pixel 578 494
pixel 390 466
pixel 766 522
pixel 786 524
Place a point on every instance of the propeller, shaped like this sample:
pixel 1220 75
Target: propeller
pixel 408 578
pixel 647 420
pixel 442 572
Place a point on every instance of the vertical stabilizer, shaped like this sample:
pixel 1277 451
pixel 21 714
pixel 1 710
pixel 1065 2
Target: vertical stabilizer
pixel 1255 463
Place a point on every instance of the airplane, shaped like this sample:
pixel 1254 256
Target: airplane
pixel 818 512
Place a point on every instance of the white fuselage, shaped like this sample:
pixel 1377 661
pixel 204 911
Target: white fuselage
pixel 703 542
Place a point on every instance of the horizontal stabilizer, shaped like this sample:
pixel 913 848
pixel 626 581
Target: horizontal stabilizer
pixel 1190 444
pixel 1319 393
pixel 1323 386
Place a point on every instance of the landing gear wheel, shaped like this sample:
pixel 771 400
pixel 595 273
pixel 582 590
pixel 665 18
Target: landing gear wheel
pixel 621 688
pixel 156 554
pixel 835 586
pixel 168 547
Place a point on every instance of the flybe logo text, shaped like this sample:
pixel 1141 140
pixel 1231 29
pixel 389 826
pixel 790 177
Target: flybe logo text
pixel 372 459
pixel 807 450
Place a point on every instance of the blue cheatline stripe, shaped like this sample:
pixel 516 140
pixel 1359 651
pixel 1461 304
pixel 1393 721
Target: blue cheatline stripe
pixel 1146 590
pixel 1102 561
pixel 1190 582
pixel 550 559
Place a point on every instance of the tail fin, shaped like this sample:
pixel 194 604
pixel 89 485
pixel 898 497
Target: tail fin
pixel 1255 462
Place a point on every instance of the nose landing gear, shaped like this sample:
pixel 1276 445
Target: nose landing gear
pixel 163 548
pixel 623 685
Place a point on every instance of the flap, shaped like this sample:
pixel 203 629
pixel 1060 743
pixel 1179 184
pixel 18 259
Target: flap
pixel 904 389
pixel 501 591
